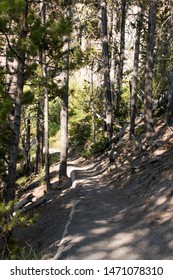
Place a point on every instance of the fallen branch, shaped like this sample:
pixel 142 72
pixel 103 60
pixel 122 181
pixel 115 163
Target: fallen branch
pixel 36 203
pixel 32 205
pixel 119 135
pixel 23 202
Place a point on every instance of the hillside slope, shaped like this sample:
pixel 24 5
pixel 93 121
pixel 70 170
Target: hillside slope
pixel 122 211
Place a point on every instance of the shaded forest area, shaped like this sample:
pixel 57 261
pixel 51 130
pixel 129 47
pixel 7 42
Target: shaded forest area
pixel 90 81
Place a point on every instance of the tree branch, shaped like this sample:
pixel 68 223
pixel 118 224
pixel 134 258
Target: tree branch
pixel 9 45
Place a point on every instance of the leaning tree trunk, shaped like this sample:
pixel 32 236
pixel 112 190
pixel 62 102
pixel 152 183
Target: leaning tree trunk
pixel 135 74
pixel 169 111
pixel 148 118
pixel 10 187
pixel 106 70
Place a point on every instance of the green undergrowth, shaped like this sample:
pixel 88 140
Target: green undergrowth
pixel 10 247
pixel 96 148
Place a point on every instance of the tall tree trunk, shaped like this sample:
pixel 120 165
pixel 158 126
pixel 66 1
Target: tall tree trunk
pixel 39 135
pixel 114 52
pixel 169 111
pixel 121 55
pixel 64 132
pixel 64 110
pixel 149 124
pixel 46 100
pixel 46 136
pixel 10 187
pixel 28 139
pixel 135 74
pixel 92 104
pixel 106 70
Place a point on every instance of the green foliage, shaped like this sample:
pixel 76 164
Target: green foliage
pixel 125 101
pixel 84 126
pixel 5 132
pixel 163 62
pixel 54 117
pixel 10 10
pixel 79 133
pixel 96 148
pixel 78 58
pixel 79 118
pixel 28 97
pixel 8 221
pixel 140 129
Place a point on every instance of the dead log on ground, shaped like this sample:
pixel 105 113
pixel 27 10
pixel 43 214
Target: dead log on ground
pixel 35 204
pixel 23 202
pixel 120 134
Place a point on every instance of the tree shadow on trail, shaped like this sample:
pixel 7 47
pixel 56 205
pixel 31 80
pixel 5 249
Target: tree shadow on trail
pixel 124 214
pixel 114 223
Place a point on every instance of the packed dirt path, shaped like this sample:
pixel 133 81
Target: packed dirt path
pixel 123 211
pixel 107 222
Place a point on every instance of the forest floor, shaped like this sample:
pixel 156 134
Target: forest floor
pixel 123 211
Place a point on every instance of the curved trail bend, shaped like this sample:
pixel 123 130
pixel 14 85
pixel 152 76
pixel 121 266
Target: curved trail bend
pixel 107 221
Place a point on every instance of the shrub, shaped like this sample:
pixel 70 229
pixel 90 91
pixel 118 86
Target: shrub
pixel 96 148
pixel 9 247
pixel 79 133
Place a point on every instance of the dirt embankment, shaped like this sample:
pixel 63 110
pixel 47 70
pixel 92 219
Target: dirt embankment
pixel 121 211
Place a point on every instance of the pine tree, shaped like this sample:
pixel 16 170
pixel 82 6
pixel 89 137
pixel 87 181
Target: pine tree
pixel 135 73
pixel 169 111
pixel 149 69
pixel 64 103
pixel 106 70
pixel 20 54
pixel 121 55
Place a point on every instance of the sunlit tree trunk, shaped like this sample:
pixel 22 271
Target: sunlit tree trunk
pixel 169 111
pixel 113 52
pixel 106 69
pixel 14 144
pixel 64 131
pixel 28 140
pixel 135 74
pixel 39 135
pixel 121 55
pixel 46 100
pixel 149 124
pixel 64 110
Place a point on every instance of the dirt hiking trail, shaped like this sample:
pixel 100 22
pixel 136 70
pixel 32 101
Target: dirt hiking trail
pixel 120 213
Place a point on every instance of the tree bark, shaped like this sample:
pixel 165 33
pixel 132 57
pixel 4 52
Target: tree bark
pixel 23 202
pixel 64 119
pixel 106 70
pixel 46 99
pixel 64 111
pixel 135 74
pixel 148 119
pixel 28 139
pixel 121 56
pixel 169 111
pixel 114 53
pixel 10 187
pixel 39 135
